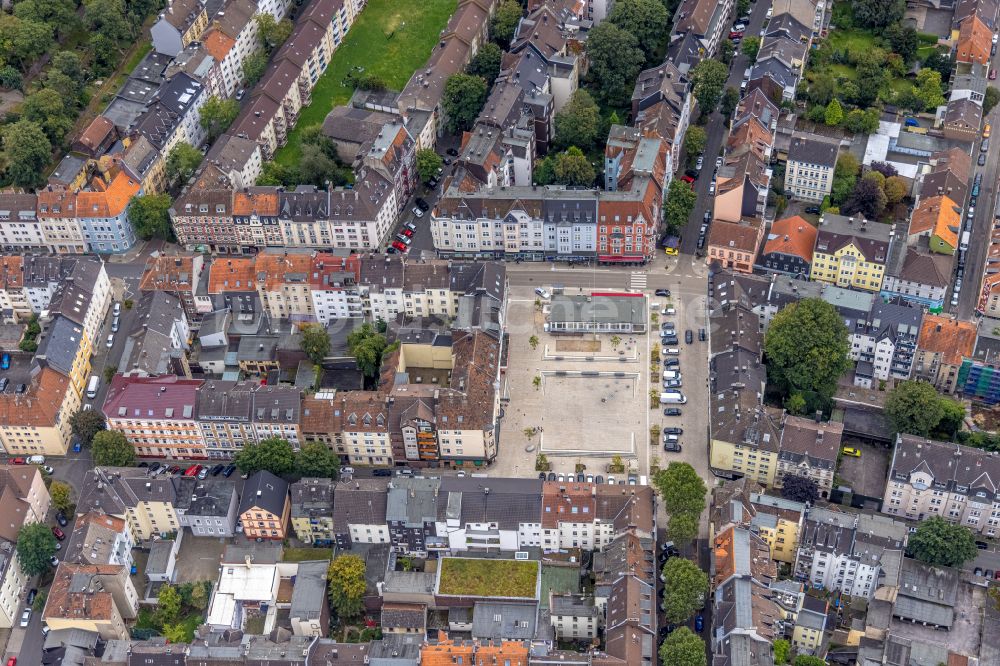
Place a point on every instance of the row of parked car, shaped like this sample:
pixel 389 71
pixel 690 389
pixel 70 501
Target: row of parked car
pixel 200 471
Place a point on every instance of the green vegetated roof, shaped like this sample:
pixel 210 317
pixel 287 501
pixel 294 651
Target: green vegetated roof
pixel 488 578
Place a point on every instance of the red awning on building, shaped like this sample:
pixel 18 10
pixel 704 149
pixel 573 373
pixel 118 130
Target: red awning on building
pixel 621 258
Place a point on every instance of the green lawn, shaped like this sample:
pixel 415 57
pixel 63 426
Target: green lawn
pixel 306 554
pixel 391 39
pixel 498 578
pixel 853 40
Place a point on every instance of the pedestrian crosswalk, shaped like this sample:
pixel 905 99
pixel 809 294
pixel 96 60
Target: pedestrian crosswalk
pixel 637 281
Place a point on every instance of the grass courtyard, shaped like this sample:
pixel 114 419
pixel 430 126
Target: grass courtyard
pixel 390 39
pixel 495 578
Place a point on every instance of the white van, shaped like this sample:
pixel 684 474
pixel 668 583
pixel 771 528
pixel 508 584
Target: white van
pixel 670 351
pixel 95 382
pixel 671 374
pixel 672 398
pixel 36 460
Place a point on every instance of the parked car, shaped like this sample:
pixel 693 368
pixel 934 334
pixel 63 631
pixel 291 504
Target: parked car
pixel 982 545
pixel 417 212
pixel 61 519
pixel 421 204
pixel 662 292
pixel 397 246
pixel 58 533
pixel 111 341
pixel 688 336
pixel 672 447
pixel 672 411
pixel 702 335
pixel 32 593
pixel 344 471
pixel 687 179
pixel 54 561
pixel 851 451
pixel 405 240
pixel 700 163
pixel 813 210
pixel 117 310
pixel 699 623
pixel 982 159
pixel 674 431
pixel 25 617
pixel 452 152
pixel 17 461
pixel 5 361
pixel 671 363
pixel 229 471
pixel 203 473
pixel 382 472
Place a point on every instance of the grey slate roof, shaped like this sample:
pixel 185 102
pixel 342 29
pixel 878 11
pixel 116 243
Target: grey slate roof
pixel 312 496
pixel 359 502
pixel 509 503
pixel 309 593
pixel 497 620
pixel 926 593
pixel 813 149
pixel 266 491
pixel 412 501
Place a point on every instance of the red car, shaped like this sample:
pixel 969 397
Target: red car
pixel 407 232
pixel 993 74
pixel 192 470
pixel 688 179
pixel 401 247
pixel 17 461
pixel 12 661
pixel 735 35
pixel 58 533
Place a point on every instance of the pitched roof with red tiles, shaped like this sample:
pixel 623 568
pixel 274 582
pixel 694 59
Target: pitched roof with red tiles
pixel 935 212
pixel 152 398
pixel 111 202
pixel 260 201
pixel 448 652
pixel 56 202
pixel 564 502
pixel 39 406
pixel 167 272
pixel 792 236
pixel 11 271
pixel 218 44
pixel 974 40
pixel 231 275
pixel 272 269
pixel 741 236
pixel 97 131
pixel 952 338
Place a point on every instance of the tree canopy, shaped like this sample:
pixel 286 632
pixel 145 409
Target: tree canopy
pixel 708 78
pixel 686 586
pixel 272 33
pixel 316 460
pixel 216 115
pixel 683 647
pixel 990 99
pixel 315 342
pixel 366 346
pixel 273 454
pixel 111 448
pixel 505 19
pixel 799 488
pixel 486 63
pixel 615 62
pixel 463 99
pixel 682 492
pixel 915 407
pixel 646 20
pixel 878 13
pixel 428 163
pixel 26 151
pixel 940 543
pixel 680 201
pixel 182 161
pixel 695 140
pixel 35 548
pixel 806 347
pixel 61 494
pixel 150 216
pixel 578 123
pixel 571 167
pixel 347 585
pixel 86 423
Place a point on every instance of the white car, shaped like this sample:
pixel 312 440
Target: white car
pixel 711 187
pixel 111 341
pixel 700 163
pixel 995 37
pixel 118 309
pixel 417 212
pixel 739 27
pixel 770 11
pixel 671 351
pixel 718 161
pixel 25 617
pixel 668 311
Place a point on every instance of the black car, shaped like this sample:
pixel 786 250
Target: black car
pixel 382 472
pixel 691 173
pixel 982 545
pixel 688 336
pixel 61 519
pixel 228 472
pixel 702 335
pixel 671 363
pixel 217 470
pixel 154 466
pixel 812 209
pixel 390 250
pixel 982 159
pixel 422 205
pixel 452 152
pixel 432 183
pixel 672 411
pixel 663 292
pixel 672 447
pixel 143 464
pixel 31 597
pixel 669 340
pixel 673 431
pixel 541 476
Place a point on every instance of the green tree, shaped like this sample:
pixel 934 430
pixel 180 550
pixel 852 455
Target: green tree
pixel 182 161
pixel 782 648
pixel 504 24
pixel 866 198
pixel 216 115
pixel 681 489
pixel 86 423
pixel 201 593
pixel 366 346
pixel 23 41
pixel 573 168
pixel 708 78
pixel 61 496
pixel 903 40
pixel 646 20
pixel 26 152
pixel 823 89
pixel 834 113
pixel 730 100
pixel 799 488
pixel 273 454
pixel 67 75
pixel 175 632
pixel 941 544
pixel 45 107
pixel 544 172
pixel 806 347
pixel 990 99
pixel 168 604
pixel 928 88
pixel 428 163
pixel 750 47
pixel 273 173
pixel 109 19
pixel 272 32
pixel 347 585
pixel 877 13
pixel 615 62
pixel 726 52
pixel 952 418
pixel 486 63
pixel 683 527
pixel 10 78
pixel 916 408
pixel 578 123
pixel 150 216
pixel 315 342
pixel 683 647
pixel 317 166
pixel 685 588
pixel 742 7
pixel 808 660
pixel 845 174
pixel 895 189
pixel 856 122
pixel 316 460
pixel 105 53
pixel 679 204
pixel 254 67
pixel 35 547
pixel 463 99
pixel 110 448
pixel 59 14
pixel 695 141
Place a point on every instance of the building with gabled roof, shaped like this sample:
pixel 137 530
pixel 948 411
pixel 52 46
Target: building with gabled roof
pixel 788 248
pixel 182 22
pixel 734 244
pixel 264 507
pixel 312 510
pixel 942 344
pixel 918 276
pixel 156 415
pixel 98 598
pixel 811 161
pixel 809 449
pixel 851 252
pixel 939 219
